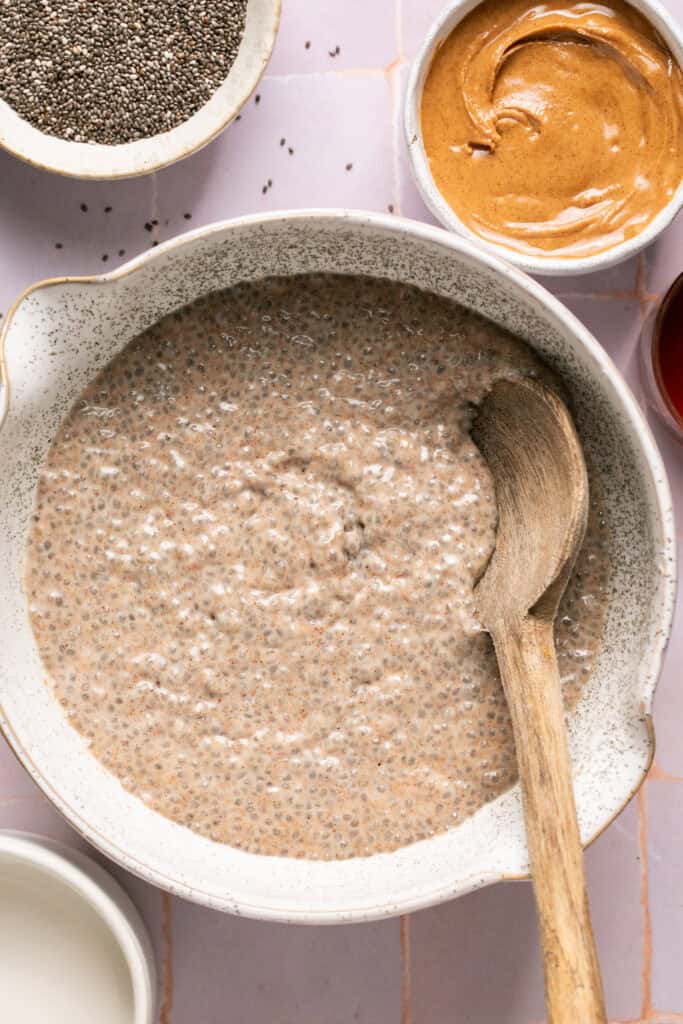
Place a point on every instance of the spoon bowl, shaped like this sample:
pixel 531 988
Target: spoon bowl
pixel 528 439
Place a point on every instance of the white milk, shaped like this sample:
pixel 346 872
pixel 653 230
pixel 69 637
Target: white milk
pixel 58 962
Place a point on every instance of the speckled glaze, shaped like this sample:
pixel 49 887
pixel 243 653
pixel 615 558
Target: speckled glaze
pixel 671 32
pixel 86 160
pixel 61 333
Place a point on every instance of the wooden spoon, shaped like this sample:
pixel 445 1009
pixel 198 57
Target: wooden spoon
pixel 527 437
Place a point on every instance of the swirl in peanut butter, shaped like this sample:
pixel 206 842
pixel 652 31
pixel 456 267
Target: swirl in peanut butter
pixel 555 129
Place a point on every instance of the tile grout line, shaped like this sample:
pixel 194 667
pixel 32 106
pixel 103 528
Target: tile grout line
pixel 167 960
pixel 395 114
pixel 394 86
pixel 404 936
pixel 12 801
pixel 657 774
pixel 645 904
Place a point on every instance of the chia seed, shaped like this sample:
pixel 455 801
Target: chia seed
pixel 110 73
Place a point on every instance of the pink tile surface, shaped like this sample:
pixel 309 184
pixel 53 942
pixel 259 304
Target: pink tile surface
pixel 39 211
pixel 243 971
pixel 669 701
pixel 474 961
pixel 339 128
pixel 365 34
pixel 478 956
pixel 665 872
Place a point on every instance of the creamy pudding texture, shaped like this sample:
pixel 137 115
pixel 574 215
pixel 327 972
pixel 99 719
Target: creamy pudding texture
pixel 251 567
pixel 555 128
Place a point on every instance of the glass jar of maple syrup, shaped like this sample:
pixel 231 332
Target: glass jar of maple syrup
pixel 661 354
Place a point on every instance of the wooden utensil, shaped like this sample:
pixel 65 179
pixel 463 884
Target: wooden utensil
pixel 527 437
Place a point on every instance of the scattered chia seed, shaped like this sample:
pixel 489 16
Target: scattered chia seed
pixel 291 151
pixel 84 208
pixel 111 72
pixel 148 226
pixel 187 216
pixel 282 141
pixel 349 166
pixel 58 245
pixel 107 209
pixel 257 98
pixel 390 207
pixel 122 252
pixel 335 52
pixel 105 257
pixel 308 44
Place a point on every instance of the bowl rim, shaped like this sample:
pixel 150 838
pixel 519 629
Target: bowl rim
pixel 104 895
pixel 653 467
pixel 551 266
pixel 173 151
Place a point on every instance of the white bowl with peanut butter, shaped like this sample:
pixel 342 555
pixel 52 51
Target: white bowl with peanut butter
pixel 241 519
pixel 553 133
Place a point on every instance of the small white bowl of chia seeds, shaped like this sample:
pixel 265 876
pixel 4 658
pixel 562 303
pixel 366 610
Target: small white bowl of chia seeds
pixel 101 90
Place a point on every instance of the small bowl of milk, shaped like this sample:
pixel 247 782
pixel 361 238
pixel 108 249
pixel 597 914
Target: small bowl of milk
pixel 73 948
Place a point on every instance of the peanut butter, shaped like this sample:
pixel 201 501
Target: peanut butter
pixel 554 128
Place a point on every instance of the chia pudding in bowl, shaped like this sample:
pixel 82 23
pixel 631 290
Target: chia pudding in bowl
pixel 252 563
pixel 240 522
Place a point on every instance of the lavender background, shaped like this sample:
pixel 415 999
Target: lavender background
pixel 474 961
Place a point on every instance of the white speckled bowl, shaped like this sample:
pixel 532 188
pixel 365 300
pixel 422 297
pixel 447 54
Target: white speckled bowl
pixel 453 13
pixel 58 336
pixel 86 160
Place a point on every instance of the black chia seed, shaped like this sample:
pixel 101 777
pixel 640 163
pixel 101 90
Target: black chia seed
pixel 111 72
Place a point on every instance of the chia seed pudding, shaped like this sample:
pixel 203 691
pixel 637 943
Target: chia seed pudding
pixel 113 71
pixel 252 559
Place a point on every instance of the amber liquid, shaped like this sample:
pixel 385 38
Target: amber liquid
pixel 668 349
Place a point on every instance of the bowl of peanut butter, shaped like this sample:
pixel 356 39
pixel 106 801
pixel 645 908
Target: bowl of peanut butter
pixel 551 133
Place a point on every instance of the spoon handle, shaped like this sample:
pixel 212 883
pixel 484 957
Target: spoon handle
pixel 528 666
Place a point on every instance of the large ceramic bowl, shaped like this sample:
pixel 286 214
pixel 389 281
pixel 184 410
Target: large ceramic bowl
pixel 89 160
pixel 454 12
pixel 61 333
